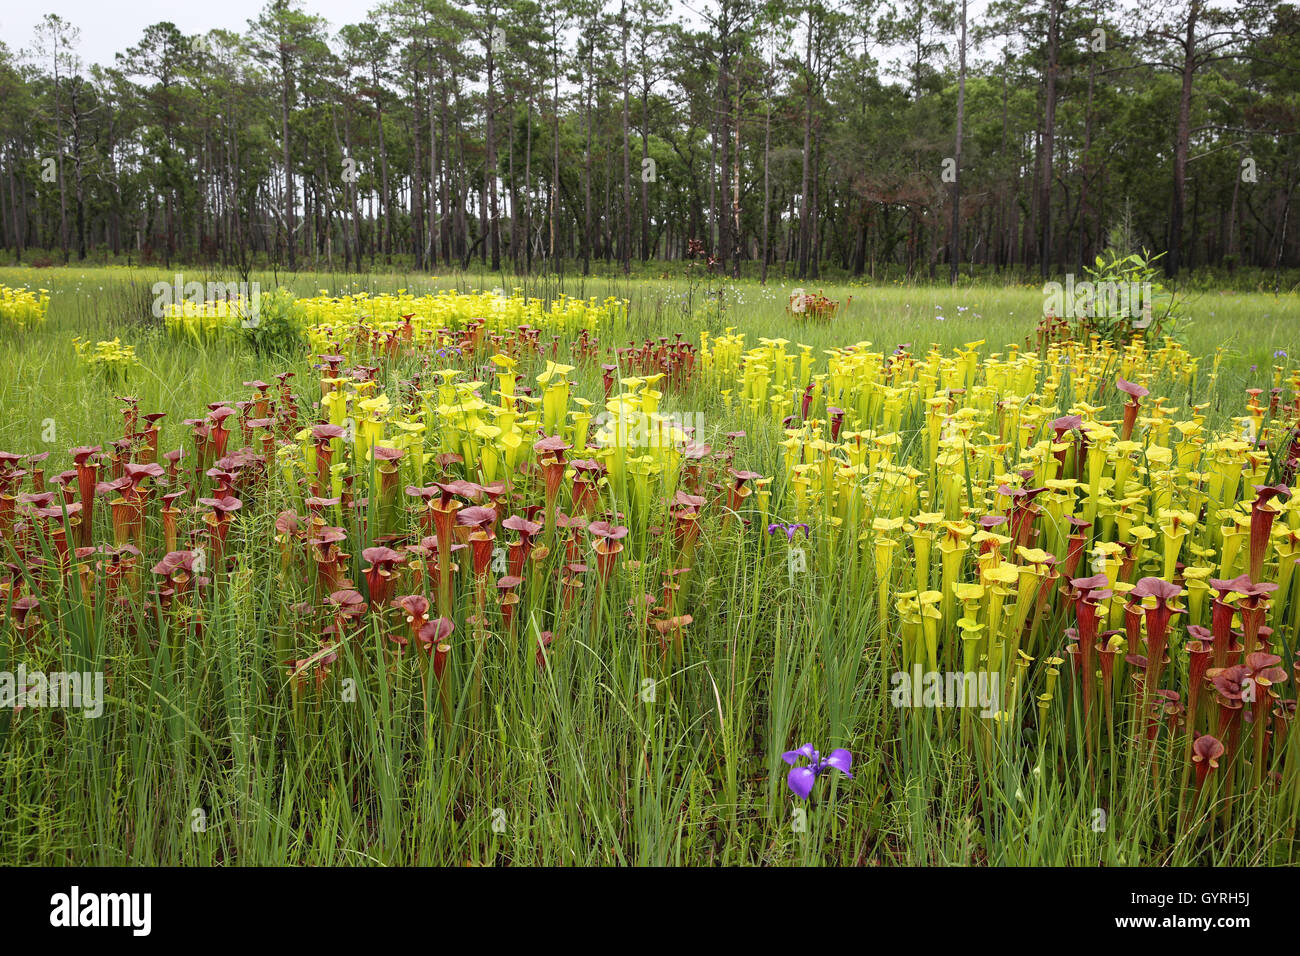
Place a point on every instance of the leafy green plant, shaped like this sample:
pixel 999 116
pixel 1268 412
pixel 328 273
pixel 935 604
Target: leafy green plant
pixel 276 327
pixel 1128 297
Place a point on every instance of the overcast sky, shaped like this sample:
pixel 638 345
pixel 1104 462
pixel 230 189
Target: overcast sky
pixel 110 26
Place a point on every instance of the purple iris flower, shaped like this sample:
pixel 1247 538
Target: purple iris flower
pixel 789 529
pixel 801 779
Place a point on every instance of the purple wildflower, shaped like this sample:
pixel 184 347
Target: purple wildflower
pixel 789 529
pixel 801 779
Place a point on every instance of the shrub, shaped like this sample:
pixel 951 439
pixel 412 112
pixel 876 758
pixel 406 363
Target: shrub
pixel 277 328
pixel 1162 313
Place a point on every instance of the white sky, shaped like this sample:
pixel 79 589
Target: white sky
pixel 110 26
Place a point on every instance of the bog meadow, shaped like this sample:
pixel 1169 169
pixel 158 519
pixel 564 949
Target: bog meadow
pixel 575 434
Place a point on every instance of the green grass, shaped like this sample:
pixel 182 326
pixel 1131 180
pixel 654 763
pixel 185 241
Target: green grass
pixel 200 758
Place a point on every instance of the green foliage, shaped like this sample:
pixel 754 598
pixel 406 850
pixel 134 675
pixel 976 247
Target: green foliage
pixel 277 329
pixel 584 771
pixel 872 88
pixel 1128 296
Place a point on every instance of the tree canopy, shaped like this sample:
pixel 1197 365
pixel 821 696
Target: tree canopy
pixel 913 137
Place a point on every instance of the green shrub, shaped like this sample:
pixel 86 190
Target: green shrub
pixel 276 327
